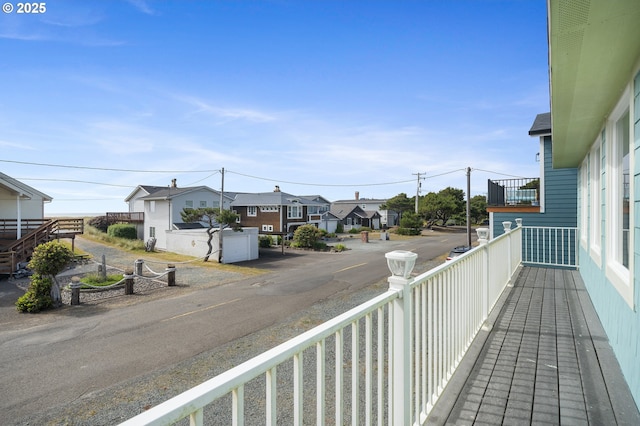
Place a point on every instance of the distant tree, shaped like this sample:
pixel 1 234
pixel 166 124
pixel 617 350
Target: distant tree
pixel 478 207
pixel 400 204
pixel 213 217
pixel 441 206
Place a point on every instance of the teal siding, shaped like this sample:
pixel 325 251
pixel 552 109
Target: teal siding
pixel 621 323
pixel 561 199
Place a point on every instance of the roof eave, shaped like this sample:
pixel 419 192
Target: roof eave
pixel 593 51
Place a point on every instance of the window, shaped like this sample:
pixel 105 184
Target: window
pixel 252 211
pixel 152 206
pixel 294 212
pixel 203 204
pixel 189 204
pixel 619 233
pixel 595 211
pixel 152 232
pixel 268 209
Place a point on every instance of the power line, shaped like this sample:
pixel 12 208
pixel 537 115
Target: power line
pixel 319 184
pixel 105 168
pixel 498 173
pixel 445 173
pixel 78 181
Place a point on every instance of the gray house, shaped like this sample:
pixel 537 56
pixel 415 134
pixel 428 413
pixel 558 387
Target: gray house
pixel 162 207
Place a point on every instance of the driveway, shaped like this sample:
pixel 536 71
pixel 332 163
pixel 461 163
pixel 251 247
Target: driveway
pixel 102 363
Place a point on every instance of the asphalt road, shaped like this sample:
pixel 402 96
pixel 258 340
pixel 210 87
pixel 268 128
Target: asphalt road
pixel 49 359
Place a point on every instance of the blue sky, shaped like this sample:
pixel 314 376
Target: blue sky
pixel 318 97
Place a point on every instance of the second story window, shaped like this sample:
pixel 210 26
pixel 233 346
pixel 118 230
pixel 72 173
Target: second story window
pixel 252 211
pixel 294 212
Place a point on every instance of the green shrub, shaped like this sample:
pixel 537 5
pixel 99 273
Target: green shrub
pixel 50 258
pixel 408 231
pixel 411 220
pixel 339 228
pixel 47 261
pixel 265 241
pixel 38 296
pixel 354 231
pixel 320 245
pixel 122 230
pixel 340 247
pixel 306 236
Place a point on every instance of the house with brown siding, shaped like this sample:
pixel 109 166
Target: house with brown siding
pixel 277 212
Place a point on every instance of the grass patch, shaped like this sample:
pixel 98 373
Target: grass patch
pixel 97 280
pixel 137 247
pixel 95 234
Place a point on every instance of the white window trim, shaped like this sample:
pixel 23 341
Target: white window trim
pixel 252 211
pixel 584 203
pixel 542 163
pixel 616 273
pixel 298 210
pixel 595 196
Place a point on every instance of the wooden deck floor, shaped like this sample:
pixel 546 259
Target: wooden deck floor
pixel 542 359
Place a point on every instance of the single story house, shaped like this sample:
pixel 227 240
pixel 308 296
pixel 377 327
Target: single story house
pixel 387 218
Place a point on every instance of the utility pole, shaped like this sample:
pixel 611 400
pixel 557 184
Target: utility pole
pixel 418 189
pixel 469 206
pixel 221 225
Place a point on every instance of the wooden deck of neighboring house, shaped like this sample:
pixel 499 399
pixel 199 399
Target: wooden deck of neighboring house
pixel 34 232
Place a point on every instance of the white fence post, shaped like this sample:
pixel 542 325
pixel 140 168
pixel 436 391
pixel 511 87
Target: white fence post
pixel 483 239
pixel 400 264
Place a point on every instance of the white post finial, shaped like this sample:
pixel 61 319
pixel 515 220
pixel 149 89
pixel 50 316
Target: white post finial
pixel 507 226
pixel 519 222
pixel 483 235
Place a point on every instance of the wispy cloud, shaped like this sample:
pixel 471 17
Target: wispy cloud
pixel 143 6
pixel 227 113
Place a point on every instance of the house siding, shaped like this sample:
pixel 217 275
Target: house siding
pixel 560 195
pixel 261 218
pixel 620 321
pixel 29 209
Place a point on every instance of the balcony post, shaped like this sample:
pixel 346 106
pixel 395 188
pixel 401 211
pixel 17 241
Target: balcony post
pixel 401 264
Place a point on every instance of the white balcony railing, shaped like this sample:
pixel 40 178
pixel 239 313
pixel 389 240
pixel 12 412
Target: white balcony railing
pixel 550 246
pixel 383 362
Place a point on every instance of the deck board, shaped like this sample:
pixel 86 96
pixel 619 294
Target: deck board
pixel 545 360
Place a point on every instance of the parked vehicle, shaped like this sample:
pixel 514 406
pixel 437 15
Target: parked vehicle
pixel 457 252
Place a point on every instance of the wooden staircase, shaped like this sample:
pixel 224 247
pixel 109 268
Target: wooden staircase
pixel 35 232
